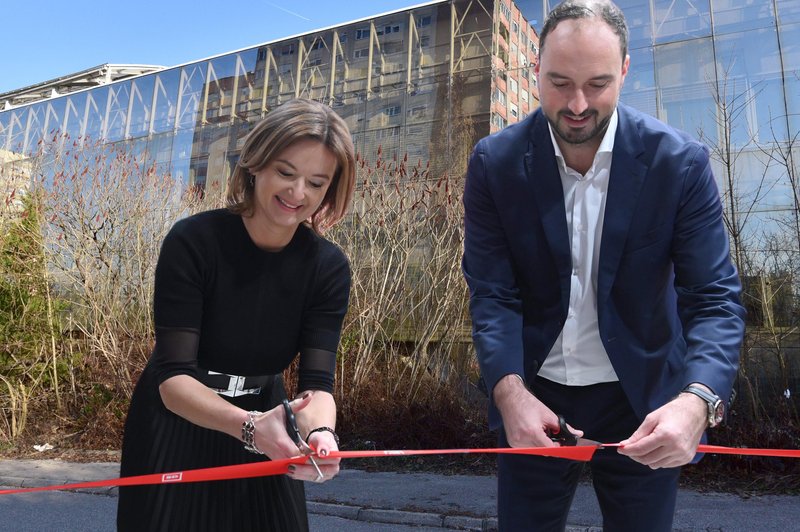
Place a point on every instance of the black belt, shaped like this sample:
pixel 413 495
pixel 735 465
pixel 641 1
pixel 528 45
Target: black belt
pixel 234 385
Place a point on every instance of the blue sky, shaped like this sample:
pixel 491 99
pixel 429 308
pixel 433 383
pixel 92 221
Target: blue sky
pixel 42 40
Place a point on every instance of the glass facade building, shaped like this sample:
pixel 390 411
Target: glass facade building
pixel 428 81
pixel 413 82
pixel 726 71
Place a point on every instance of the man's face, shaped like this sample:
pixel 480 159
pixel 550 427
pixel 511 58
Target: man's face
pixel 580 73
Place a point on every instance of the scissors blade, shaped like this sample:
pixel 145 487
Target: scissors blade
pixel 294 434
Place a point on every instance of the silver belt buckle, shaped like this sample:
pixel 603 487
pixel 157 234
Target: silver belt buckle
pixel 235 386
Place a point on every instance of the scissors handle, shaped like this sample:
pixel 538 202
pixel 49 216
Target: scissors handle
pixel 563 434
pixel 291 424
pixel 294 433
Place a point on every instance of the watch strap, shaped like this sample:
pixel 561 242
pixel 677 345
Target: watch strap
pixel 712 401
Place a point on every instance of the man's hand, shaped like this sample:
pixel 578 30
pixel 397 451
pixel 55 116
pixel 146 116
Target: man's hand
pixel 525 418
pixel 669 436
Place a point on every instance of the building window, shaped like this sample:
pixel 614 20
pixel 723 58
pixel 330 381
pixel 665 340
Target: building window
pixel 388 132
pixel 425 41
pixel 424 21
pixel 498 121
pixel 288 49
pixel 416 112
pixel 514 28
pixel 362 33
pixel 500 96
pixel 504 9
pixel 343 37
pixel 386 30
pixel 513 110
pixel 363 52
pixel 319 43
pixel 513 86
pixel 392 110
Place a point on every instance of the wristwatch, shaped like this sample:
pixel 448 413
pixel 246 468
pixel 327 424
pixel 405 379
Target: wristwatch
pixel 716 408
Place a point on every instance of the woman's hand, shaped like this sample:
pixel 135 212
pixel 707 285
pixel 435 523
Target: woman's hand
pixel 322 442
pixel 271 437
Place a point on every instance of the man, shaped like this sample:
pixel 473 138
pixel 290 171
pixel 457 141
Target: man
pixel 601 287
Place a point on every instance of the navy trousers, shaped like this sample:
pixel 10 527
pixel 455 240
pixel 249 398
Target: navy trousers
pixel 535 493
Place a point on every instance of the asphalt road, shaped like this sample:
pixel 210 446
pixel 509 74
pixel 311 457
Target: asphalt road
pixel 57 511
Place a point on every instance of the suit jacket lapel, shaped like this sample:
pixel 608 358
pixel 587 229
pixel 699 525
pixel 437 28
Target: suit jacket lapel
pixel 625 183
pixel 545 183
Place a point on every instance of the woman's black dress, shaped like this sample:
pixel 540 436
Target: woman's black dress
pixel 224 305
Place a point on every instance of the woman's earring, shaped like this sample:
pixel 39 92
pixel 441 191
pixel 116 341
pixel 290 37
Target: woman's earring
pixel 252 181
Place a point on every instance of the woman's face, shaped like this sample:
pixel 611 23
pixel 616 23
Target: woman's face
pixel 292 186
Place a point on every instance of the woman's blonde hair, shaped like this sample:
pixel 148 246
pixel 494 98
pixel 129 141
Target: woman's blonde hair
pixel 292 121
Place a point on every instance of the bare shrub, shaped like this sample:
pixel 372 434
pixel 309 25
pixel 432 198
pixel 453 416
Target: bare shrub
pixel 407 322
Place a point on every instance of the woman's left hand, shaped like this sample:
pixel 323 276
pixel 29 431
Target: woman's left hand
pixel 322 442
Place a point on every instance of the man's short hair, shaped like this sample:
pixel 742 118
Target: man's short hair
pixel 578 9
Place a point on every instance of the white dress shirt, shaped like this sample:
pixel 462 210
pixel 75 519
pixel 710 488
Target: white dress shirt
pixel 578 357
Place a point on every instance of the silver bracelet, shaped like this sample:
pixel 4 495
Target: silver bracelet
pixel 249 432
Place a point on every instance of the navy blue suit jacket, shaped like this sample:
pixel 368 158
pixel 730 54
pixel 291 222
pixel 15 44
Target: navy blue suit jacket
pixel 668 295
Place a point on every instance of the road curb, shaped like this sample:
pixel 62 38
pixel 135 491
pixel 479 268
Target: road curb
pixel 400 517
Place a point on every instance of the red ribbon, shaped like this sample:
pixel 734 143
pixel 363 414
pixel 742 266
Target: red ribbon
pixel 280 467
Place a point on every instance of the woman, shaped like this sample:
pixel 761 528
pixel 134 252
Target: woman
pixel 239 292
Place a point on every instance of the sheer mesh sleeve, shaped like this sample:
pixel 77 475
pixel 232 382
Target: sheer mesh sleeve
pixel 317 369
pixel 175 352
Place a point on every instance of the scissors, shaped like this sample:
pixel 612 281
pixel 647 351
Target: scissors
pixel 294 434
pixel 566 438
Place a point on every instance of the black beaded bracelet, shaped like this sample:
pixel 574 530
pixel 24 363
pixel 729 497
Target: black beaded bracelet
pixel 326 429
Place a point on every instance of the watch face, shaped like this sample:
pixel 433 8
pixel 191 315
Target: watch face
pixel 719 412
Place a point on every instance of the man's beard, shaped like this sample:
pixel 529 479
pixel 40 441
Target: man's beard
pixel 573 136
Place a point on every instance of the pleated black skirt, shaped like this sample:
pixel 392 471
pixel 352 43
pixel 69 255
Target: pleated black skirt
pixel 158 441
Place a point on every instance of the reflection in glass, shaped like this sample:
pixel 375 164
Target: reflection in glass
pixel 190 96
pixel 117 111
pixel 221 81
pixel 676 20
pixel 166 100
pixel 16 129
pixel 639 90
pixel 33 127
pixel 637 14
pixel 95 113
pixel 790 47
pixel 74 116
pixel 741 15
pixel 247 98
pixel 4 130
pixel 685 74
pixel 54 115
pixel 750 81
pixel 788 11
pixel 141 105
